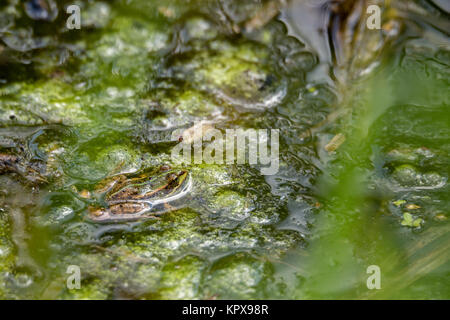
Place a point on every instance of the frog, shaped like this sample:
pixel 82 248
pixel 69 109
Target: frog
pixel 13 164
pixel 136 196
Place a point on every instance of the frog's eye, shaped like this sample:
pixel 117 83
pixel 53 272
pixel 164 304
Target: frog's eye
pixel 171 176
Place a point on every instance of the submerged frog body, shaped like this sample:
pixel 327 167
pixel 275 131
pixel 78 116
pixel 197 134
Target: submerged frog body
pixel 144 195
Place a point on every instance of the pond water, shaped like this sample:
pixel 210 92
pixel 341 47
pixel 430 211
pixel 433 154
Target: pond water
pixel 364 144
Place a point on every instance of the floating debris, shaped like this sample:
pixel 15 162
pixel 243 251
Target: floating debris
pixel 410 221
pixel 41 10
pixel 412 207
pixel 398 203
pixel 269 10
pixel 335 143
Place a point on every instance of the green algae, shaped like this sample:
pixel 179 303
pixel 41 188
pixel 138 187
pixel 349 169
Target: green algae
pixel 100 102
pixel 6 254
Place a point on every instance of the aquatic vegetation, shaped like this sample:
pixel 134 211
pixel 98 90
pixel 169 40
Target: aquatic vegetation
pixel 87 177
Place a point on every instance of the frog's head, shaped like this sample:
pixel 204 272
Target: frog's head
pixel 143 196
pixel 176 179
